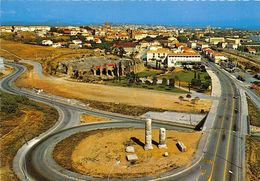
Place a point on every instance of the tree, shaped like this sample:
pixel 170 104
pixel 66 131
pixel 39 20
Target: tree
pixel 188 96
pixel 121 52
pixel 195 74
pixel 198 75
pixel 164 81
pixel 171 82
pixel 53 29
pixel 182 38
pixel 154 80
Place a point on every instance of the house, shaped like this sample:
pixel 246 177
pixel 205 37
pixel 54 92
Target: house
pixel 218 57
pixel 75 46
pixel 47 42
pixel 156 56
pixel 87 45
pixel 251 50
pixel 128 47
pixel 97 40
pixel 60 45
pixel 77 42
pixel 201 45
pixel 216 40
pixel 139 36
pixel 232 46
pixel 179 59
pixel 192 44
pixel 233 40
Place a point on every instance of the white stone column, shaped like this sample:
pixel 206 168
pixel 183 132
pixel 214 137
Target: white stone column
pixel 148 135
pixel 162 138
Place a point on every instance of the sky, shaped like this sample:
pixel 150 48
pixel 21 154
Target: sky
pixel 192 13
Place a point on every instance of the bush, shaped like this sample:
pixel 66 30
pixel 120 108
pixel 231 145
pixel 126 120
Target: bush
pixel 196 82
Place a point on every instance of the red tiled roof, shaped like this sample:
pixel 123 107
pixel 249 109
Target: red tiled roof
pixel 125 45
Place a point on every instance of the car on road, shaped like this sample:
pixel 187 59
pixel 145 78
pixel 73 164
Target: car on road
pixel 240 78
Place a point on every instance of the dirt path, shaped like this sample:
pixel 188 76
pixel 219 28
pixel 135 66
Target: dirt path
pixel 113 94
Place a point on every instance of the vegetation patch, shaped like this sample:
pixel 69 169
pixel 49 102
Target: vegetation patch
pixel 86 118
pixel 253 158
pixel 21 120
pixel 120 108
pixel 254 113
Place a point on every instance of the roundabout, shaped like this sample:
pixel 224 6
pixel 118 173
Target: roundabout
pixel 102 153
pixel 42 160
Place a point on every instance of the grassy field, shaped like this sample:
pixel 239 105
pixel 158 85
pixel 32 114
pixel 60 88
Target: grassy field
pixel 183 75
pixel 42 54
pixel 254 113
pixel 148 72
pixel 21 120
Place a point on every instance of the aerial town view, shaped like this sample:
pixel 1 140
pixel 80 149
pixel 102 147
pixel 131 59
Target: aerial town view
pixel 129 90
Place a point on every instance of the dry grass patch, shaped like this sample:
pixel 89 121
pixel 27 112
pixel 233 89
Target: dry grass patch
pixel 253 158
pixel 21 120
pixel 3 73
pixel 254 113
pixel 85 118
pixel 95 152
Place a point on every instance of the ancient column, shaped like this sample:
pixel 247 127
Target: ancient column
pixel 148 135
pixel 94 72
pixel 162 138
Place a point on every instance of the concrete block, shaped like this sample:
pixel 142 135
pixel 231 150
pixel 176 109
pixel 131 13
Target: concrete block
pixel 181 146
pixel 132 157
pixel 130 149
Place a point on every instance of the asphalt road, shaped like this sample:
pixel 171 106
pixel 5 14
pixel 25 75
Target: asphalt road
pixel 219 159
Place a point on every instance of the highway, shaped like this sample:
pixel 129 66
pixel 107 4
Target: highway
pixel 219 156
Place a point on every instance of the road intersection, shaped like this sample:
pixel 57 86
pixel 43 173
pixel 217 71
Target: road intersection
pixel 220 154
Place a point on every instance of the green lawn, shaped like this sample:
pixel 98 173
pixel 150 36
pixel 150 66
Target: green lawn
pixel 149 72
pixel 185 76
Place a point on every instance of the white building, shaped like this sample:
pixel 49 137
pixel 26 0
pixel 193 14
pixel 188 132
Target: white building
pixel 216 40
pixel 192 44
pixel 77 42
pixel 232 46
pixel 201 45
pixel 157 56
pixel 217 57
pixel 178 59
pixel 47 42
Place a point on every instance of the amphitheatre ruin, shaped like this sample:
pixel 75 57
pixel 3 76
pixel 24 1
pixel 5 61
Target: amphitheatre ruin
pixel 86 67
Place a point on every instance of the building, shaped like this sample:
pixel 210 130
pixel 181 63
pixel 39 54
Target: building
pixel 156 56
pixel 201 45
pixel 251 50
pixel 47 42
pixel 179 59
pixel 218 57
pixel 216 40
pixel 128 47
pixel 192 44
pixel 233 41
pixel 232 46
pixel 78 42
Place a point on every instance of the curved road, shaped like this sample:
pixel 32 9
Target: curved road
pixel 218 158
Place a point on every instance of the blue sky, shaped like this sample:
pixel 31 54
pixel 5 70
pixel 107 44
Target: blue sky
pixel 239 14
